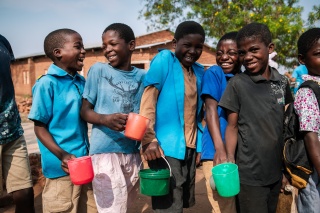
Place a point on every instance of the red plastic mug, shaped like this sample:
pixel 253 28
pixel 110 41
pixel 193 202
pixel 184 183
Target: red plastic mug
pixel 80 169
pixel 136 126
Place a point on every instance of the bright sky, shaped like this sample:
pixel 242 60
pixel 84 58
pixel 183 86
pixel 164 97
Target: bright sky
pixel 25 23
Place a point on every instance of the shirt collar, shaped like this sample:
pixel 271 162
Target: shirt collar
pixel 274 76
pixel 57 71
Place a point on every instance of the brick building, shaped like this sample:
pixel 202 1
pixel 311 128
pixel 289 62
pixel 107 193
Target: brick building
pixel 26 70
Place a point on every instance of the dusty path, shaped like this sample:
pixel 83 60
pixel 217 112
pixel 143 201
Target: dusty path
pixel 143 204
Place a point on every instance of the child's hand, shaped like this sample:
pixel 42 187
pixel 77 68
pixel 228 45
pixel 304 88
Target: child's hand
pixel 230 158
pixel 64 161
pixel 152 151
pixel 284 183
pixel 220 156
pixel 116 121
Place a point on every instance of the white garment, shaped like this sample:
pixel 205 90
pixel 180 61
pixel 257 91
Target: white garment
pixel 116 181
pixel 272 63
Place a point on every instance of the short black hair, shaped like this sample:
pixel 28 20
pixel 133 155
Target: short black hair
pixel 229 36
pixel 189 27
pixel 56 39
pixel 125 32
pixel 256 30
pixel 307 40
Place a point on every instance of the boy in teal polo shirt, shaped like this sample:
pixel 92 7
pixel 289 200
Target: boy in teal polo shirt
pixel 171 100
pixel 61 133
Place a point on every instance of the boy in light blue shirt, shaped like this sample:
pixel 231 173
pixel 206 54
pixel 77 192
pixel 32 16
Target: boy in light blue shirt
pixel 112 91
pixel 61 133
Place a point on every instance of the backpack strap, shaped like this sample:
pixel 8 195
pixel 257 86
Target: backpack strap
pixel 314 86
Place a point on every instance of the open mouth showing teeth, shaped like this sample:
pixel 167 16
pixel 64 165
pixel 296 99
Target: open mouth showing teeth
pixel 111 57
pixel 188 58
pixel 226 64
pixel 81 59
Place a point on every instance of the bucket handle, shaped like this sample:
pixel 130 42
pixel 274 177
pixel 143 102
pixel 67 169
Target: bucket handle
pixel 166 162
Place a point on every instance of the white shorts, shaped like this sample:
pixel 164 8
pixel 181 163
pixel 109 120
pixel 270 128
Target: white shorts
pixel 116 181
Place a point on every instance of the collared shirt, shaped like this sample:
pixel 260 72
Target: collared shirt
pixel 260 105
pixel 10 122
pixel 57 98
pixel 148 108
pixel 167 76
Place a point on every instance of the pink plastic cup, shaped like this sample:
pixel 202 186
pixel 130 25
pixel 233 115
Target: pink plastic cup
pixel 80 169
pixel 136 126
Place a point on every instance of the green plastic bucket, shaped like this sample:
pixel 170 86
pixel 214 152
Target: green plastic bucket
pixel 155 182
pixel 226 178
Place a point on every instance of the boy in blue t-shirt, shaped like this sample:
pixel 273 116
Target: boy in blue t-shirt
pixel 171 100
pixel 255 101
pixel 213 85
pixel 112 91
pixel 61 133
pixel 296 76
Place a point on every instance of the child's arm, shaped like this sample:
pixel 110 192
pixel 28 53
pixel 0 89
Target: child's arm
pixel 213 124
pixel 231 135
pixel 46 139
pixel 151 149
pixel 116 121
pixel 313 148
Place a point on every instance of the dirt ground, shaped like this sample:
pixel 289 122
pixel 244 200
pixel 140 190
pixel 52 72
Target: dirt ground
pixel 143 204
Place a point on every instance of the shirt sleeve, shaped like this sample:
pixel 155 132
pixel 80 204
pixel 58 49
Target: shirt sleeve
pixel 229 99
pixel 148 109
pixel 213 83
pixel 90 91
pixel 307 108
pixel 42 101
pixel 159 68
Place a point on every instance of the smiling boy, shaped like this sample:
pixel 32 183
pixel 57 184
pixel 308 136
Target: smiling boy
pixel 172 102
pixel 61 133
pixel 255 101
pixel 112 91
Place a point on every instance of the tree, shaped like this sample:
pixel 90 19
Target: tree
pixel 217 17
pixel 314 15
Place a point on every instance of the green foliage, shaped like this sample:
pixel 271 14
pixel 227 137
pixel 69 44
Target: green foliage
pixel 217 17
pixel 314 15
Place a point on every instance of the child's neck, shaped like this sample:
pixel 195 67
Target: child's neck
pixel 267 73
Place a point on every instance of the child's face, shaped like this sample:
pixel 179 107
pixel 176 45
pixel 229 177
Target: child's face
pixel 72 54
pixel 254 54
pixel 312 59
pixel 188 49
pixel 227 56
pixel 116 50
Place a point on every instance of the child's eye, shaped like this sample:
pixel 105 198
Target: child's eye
pixel 232 53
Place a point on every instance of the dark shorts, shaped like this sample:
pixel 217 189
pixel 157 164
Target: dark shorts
pixel 182 183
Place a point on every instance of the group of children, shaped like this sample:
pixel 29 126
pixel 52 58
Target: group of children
pixel 243 114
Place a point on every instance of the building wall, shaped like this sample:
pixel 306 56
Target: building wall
pixel 25 71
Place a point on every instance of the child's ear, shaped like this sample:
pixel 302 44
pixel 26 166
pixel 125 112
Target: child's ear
pixel 132 45
pixel 301 59
pixel 57 52
pixel 271 47
pixel 174 43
